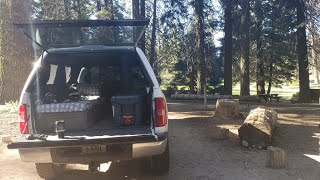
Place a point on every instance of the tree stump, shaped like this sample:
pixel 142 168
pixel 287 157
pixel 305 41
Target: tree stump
pixel 258 127
pixel 276 157
pixel 227 108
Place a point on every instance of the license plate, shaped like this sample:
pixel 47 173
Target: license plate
pixel 94 149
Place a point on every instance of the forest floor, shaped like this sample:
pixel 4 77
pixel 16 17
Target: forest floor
pixel 197 152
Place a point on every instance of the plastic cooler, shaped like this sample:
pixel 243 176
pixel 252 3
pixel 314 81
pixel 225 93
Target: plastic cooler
pixel 128 110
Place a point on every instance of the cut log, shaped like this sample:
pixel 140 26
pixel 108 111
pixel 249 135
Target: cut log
pixel 249 99
pixel 276 157
pixel 210 97
pixel 258 127
pixel 227 108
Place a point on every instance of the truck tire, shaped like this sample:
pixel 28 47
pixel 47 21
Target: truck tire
pixel 160 163
pixel 48 170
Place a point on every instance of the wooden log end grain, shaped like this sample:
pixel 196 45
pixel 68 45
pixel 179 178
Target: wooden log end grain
pixel 276 157
pixel 227 108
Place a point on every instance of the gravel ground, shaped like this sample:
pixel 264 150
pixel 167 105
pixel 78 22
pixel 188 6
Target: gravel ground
pixel 198 152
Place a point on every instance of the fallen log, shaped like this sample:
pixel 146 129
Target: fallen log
pixel 258 127
pixel 210 97
pixel 227 108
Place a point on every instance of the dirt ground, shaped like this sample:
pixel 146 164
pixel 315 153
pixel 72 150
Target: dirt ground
pixel 197 152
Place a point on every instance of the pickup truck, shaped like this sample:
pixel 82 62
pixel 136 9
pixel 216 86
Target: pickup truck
pixel 91 98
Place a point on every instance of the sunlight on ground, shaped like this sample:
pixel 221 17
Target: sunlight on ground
pixel 194 114
pixel 315 157
pixel 295 119
pixel 284 90
pixel 233 128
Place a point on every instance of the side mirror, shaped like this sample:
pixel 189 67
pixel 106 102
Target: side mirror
pixel 158 79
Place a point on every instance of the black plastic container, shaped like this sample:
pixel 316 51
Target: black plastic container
pixel 128 110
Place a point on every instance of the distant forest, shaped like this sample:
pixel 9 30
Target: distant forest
pixel 190 44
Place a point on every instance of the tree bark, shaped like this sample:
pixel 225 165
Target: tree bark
pixel 260 65
pixel 200 46
pixel 270 74
pixel 79 9
pixel 258 127
pixel 228 48
pixel 192 80
pixel 135 15
pixel 304 84
pixel 314 54
pixel 108 4
pixel 67 10
pixel 244 49
pixel 98 5
pixel 153 37
pixel 143 16
pixel 16 53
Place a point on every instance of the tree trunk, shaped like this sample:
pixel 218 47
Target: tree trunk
pixel 304 85
pixel 200 46
pixel 258 127
pixel 153 37
pixel 260 70
pixel 108 4
pixel 135 15
pixel 98 5
pixel 314 55
pixel 79 9
pixel 228 48
pixel 16 53
pixel 244 49
pixel 270 75
pixel 67 10
pixel 143 16
pixel 260 64
pixel 192 79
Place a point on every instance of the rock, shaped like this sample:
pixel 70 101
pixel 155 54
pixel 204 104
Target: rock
pixel 244 143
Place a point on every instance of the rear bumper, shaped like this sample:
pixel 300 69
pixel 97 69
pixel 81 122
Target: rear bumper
pixel 51 155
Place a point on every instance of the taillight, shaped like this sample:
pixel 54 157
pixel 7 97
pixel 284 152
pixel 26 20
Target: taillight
pixel 160 112
pixel 23 119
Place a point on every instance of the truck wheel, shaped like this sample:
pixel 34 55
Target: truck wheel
pixel 160 163
pixel 48 170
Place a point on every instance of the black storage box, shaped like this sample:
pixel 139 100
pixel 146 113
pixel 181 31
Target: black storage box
pixel 128 107
pixel 76 115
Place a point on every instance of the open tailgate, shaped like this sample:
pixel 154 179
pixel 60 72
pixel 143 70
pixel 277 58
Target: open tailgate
pixel 68 141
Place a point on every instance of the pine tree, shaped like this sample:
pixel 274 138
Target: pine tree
pixel 244 48
pixel 304 84
pixel 153 36
pixel 228 47
pixel 200 46
pixel 260 76
pixel 16 53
